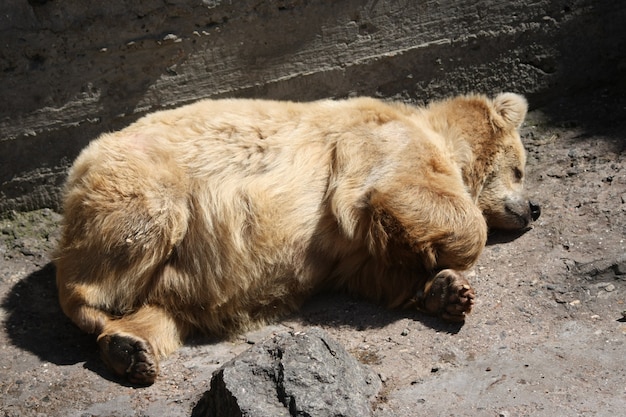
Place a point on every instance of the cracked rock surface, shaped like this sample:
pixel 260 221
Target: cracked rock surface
pixel 292 374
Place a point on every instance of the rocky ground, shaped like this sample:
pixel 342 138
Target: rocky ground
pixel 547 338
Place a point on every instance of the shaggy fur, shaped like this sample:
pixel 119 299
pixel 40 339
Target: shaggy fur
pixel 222 214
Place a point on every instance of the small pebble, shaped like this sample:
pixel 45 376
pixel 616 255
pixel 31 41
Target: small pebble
pixel 27 252
pixel 405 332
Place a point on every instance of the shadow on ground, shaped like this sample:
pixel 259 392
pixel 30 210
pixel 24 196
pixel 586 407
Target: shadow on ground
pixel 598 112
pixel 36 323
pixel 338 310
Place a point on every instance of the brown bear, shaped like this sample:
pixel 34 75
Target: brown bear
pixel 226 213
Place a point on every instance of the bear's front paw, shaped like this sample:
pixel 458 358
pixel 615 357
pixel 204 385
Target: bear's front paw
pixel 448 295
pixel 129 357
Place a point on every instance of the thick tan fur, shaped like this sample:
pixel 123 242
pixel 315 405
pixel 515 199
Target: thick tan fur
pixel 222 214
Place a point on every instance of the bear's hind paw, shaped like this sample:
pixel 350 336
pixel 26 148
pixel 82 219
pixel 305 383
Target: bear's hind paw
pixel 129 357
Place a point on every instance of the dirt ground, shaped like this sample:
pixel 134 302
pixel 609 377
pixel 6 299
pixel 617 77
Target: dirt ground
pixel 547 337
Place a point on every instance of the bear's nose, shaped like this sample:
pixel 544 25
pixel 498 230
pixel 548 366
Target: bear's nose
pixel 535 210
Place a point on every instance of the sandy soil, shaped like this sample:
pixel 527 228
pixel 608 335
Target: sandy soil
pixel 547 338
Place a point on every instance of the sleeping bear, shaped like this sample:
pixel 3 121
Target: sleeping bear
pixel 225 214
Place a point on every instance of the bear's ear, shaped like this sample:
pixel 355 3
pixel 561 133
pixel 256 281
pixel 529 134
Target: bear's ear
pixel 512 108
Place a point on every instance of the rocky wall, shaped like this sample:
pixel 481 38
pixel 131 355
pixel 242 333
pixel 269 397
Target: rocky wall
pixel 72 69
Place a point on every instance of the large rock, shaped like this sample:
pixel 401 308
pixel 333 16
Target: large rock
pixel 72 69
pixel 292 374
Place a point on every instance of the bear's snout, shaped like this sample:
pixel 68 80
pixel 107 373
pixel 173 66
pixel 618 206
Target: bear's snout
pixel 535 210
pixel 516 214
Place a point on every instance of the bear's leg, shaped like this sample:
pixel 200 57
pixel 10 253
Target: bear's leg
pixel 132 345
pixel 443 232
pixel 448 294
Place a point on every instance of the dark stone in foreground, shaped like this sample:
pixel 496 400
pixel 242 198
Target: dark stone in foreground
pixel 292 374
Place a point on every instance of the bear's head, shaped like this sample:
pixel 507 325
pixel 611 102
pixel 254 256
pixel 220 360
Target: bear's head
pixel 494 168
pixel 502 198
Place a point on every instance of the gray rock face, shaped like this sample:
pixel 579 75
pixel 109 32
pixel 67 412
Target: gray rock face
pixel 292 374
pixel 71 70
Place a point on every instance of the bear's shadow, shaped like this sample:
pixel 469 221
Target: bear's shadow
pixel 497 237
pixel 340 310
pixel 36 323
